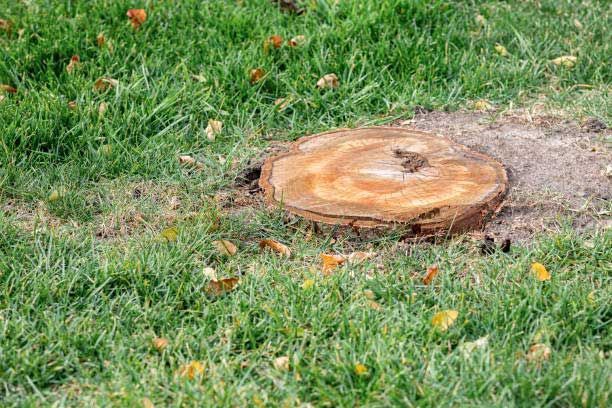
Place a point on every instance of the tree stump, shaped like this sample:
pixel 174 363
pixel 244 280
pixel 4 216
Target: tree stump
pixel 385 177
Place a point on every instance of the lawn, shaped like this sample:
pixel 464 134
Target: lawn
pixel 107 240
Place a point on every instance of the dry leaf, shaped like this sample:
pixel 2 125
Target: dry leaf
pixel 468 348
pixel 256 75
pixel 281 103
pixel 210 273
pixel 137 17
pixel 100 40
pixel 308 283
pixel 361 369
pixel 296 41
pixel 7 89
pixel 54 196
pixel 275 41
pixel 160 343
pixel 480 19
pixel 368 294
pixel 72 105
pixel 331 261
pixel 501 50
pixel 214 127
pixel 568 61
pixel 374 305
pixel 170 234
pixel 328 81
pixel 444 319
pixel 102 108
pixel 432 271
pixel 225 247
pixel 577 24
pixel 482 105
pixel 147 403
pixel 221 286
pixel 276 246
pixel 281 363
pixel 360 256
pixel 104 83
pixel 5 25
pixel 190 161
pixel 538 353
pixel 74 62
pixel 540 271
pixel 191 370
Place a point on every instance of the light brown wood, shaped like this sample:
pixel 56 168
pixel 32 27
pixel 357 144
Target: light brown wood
pixel 383 177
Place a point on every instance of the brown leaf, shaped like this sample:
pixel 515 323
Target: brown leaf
pixel 432 271
pixel 6 25
pixel 538 353
pixel 281 363
pixel 137 17
pixel 160 343
pixel 328 81
pixel 221 286
pixel 275 41
pixel 276 246
pixel 360 256
pixel 102 108
pixel 74 62
pixel 191 370
pixel 100 40
pixel 296 41
pixel 331 261
pixel 256 75
pixel 72 105
pixel 105 83
pixel 225 247
pixel 190 161
pixel 7 89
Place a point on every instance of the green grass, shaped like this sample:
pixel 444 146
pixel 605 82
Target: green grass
pixel 79 305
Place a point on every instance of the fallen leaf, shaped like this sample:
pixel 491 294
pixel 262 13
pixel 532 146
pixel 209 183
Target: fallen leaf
pixel 296 41
pixel 160 343
pixel 190 161
pixel 469 347
pixel 331 261
pixel 74 62
pixel 5 25
pixel 147 403
pixel 328 81
pixel 256 75
pixel 482 105
pixel 276 246
pixel 360 256
pixel 210 273
pixel 361 369
pixel 214 127
pixel 538 353
pixel 104 83
pixel 7 89
pixel 54 196
pixel 137 17
pixel 444 319
pixel 374 305
pixel 281 363
pixel 102 108
pixel 282 103
pixel 540 271
pixel 275 41
pixel 72 105
pixel 170 234
pixel 501 50
pixel 308 283
pixel 568 61
pixel 225 247
pixel 221 286
pixel 191 370
pixel 577 24
pixel 480 19
pixel 100 40
pixel 432 271
pixel 368 294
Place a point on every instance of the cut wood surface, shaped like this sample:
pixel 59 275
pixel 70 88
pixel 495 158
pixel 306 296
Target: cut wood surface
pixel 382 176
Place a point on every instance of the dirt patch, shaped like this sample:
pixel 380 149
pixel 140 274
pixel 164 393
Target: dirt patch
pixel 557 168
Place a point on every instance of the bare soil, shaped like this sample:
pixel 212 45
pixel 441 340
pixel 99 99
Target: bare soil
pixel 557 168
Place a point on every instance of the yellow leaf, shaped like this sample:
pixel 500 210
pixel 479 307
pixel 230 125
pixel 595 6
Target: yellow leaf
pixel 432 271
pixel 328 81
pixel 191 370
pixel 567 61
pixel 55 195
pixel 501 50
pixel 444 319
pixel 104 83
pixel 160 343
pixel 214 127
pixel 147 403
pixel 281 363
pixel 308 283
pixel 482 105
pixel 221 286
pixel 331 261
pixel 538 353
pixel 256 75
pixel 540 271
pixel 137 17
pixel 170 234
pixel 225 247
pixel 74 62
pixel 361 369
pixel 276 246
